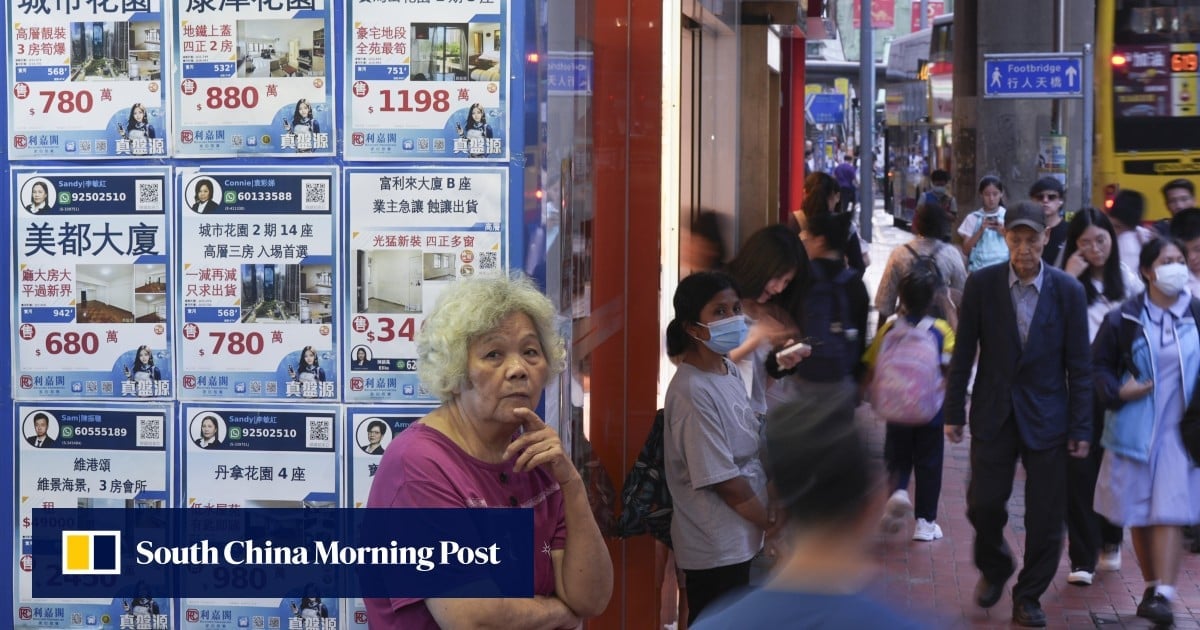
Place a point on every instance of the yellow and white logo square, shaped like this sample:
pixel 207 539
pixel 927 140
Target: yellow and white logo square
pixel 91 552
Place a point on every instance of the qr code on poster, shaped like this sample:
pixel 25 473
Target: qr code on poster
pixel 318 432
pixel 149 431
pixel 149 195
pixel 316 195
pixel 487 260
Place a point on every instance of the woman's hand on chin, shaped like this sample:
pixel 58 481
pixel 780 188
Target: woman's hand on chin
pixel 539 445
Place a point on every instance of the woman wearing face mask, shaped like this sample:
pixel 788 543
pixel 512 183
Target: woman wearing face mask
pixel 711 444
pixel 1147 356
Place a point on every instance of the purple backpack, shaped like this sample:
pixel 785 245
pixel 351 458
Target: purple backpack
pixel 908 386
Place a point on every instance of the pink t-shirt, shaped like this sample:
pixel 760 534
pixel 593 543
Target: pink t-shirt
pixel 424 468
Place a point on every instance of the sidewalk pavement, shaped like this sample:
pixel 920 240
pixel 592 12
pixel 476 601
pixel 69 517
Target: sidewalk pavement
pixel 936 580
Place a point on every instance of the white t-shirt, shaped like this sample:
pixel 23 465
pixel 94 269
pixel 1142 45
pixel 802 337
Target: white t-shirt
pixel 1129 245
pixel 710 435
pixel 1098 309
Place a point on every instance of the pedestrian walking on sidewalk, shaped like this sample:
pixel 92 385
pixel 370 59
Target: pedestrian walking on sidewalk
pixel 1032 401
pixel 907 369
pixel 1092 256
pixel 1147 357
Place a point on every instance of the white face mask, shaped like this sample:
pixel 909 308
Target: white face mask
pixel 1171 278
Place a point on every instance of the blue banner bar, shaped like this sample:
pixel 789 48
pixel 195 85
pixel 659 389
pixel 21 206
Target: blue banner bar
pixel 213 314
pixel 47 314
pixel 164 553
pixel 215 70
pixel 43 73
pixel 381 73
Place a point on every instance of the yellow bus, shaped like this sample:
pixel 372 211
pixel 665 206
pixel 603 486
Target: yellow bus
pixel 1147 112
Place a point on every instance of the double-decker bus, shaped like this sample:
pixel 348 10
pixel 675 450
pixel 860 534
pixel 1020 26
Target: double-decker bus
pixel 917 112
pixel 1147 111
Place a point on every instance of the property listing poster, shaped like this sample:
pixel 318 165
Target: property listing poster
pixel 91 297
pixel 411 233
pixel 86 80
pixel 105 455
pixel 427 80
pixel 252 78
pixel 238 456
pixel 369 431
pixel 257 281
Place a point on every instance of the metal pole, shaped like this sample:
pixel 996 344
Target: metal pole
pixel 1089 122
pixel 923 20
pixel 1060 39
pixel 866 124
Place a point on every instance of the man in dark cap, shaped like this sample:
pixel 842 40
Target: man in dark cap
pixel 1050 193
pixel 1032 401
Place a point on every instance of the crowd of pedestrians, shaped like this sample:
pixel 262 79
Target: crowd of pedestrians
pixel 1068 343
pixel 1065 341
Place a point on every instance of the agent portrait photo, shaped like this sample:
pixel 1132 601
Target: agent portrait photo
pixel 207 431
pixel 372 440
pixel 204 195
pixel 37 195
pixel 38 432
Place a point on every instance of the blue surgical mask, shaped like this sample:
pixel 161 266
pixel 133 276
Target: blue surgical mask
pixel 726 334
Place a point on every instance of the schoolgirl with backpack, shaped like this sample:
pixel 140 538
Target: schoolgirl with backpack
pixel 906 385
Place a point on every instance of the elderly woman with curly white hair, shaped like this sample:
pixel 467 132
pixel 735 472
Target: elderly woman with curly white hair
pixel 486 351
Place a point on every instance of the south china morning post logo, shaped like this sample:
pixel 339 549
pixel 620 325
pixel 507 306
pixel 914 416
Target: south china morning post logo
pixel 91 552
pixel 179 552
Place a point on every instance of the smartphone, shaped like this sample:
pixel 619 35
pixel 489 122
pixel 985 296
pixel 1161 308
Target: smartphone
pixel 796 347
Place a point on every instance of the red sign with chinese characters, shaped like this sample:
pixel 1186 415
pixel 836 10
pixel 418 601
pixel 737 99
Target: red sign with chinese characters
pixel 883 13
pixel 933 8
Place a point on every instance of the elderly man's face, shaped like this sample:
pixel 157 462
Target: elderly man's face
pixel 506 370
pixel 1025 247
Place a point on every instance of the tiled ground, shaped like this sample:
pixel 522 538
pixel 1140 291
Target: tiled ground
pixel 936 580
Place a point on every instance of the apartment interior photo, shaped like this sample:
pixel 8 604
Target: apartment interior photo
pixel 281 48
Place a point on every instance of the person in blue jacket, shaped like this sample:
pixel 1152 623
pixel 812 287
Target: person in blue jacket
pixel 1147 357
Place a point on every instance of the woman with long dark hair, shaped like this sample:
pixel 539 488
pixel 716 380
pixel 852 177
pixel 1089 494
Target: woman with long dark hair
pixel 771 269
pixel 1092 255
pixel 823 196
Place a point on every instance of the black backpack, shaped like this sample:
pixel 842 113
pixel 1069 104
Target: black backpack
pixel 826 323
pixel 646 506
pixel 944 303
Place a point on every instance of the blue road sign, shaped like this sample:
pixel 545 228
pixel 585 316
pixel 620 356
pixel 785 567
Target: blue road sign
pixel 1033 75
pixel 825 109
pixel 569 72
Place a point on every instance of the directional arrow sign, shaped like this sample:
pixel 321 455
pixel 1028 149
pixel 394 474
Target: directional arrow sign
pixel 1033 75
pixel 826 109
